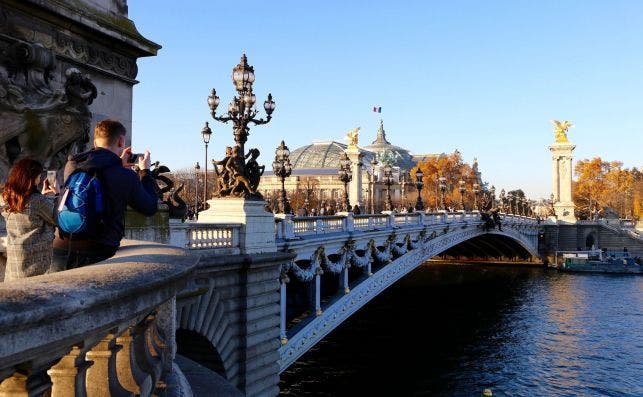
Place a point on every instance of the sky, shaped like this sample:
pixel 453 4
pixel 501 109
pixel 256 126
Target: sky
pixel 483 77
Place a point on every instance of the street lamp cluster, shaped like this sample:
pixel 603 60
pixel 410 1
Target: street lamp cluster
pixel 282 168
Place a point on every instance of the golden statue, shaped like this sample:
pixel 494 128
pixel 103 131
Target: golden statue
pixel 352 136
pixel 560 130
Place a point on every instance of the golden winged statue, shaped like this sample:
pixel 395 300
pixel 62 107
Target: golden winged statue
pixel 352 136
pixel 560 130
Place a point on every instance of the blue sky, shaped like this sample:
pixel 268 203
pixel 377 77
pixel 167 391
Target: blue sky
pixel 483 77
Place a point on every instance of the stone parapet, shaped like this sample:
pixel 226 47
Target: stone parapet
pixel 105 328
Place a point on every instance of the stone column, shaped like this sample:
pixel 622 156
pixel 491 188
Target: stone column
pixel 355 186
pixel 562 181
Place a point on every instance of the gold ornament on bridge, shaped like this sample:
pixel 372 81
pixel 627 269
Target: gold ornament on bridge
pixel 352 136
pixel 560 130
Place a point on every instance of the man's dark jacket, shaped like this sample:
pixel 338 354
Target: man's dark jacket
pixel 121 187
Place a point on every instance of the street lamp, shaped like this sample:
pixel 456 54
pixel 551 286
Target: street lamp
pixel 404 179
pixel 388 181
pixel 282 168
pixel 206 133
pixel 197 167
pixel 443 188
pixel 476 191
pixel 345 175
pixel 242 112
pixel 503 201
pixel 372 181
pixel 493 196
pixel 419 184
pixel 510 198
pixel 463 190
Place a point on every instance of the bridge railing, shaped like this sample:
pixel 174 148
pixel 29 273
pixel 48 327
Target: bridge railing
pixel 106 329
pixel 213 236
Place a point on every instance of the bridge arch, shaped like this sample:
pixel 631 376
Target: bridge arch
pixel 405 253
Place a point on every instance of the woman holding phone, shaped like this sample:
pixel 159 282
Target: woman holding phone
pixel 30 221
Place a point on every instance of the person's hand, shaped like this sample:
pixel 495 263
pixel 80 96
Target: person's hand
pixel 125 155
pixel 47 190
pixel 145 162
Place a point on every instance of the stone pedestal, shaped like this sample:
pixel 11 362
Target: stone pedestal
pixel 257 234
pixel 562 181
pixel 355 186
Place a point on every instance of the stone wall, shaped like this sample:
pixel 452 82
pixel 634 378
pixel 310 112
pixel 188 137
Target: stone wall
pixel 234 304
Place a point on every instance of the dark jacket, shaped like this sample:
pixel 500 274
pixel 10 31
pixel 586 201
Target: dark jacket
pixel 121 187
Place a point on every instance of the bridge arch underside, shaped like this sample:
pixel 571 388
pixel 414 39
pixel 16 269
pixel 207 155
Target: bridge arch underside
pixel 488 247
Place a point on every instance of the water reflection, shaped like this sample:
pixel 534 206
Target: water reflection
pixel 453 330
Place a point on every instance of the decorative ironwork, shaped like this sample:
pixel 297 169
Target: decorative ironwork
pixel 237 178
pixel 345 176
pixel 282 168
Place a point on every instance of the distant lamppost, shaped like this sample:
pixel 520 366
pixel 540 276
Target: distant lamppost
pixel 510 198
pixel 282 168
pixel 476 191
pixel 419 184
pixel 345 175
pixel 503 201
pixel 443 188
pixel 463 190
pixel 493 196
pixel 404 179
pixel 388 181
pixel 206 133
pixel 197 168
pixel 372 181
pixel 241 110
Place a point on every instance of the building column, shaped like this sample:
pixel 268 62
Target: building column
pixel 355 185
pixel 562 181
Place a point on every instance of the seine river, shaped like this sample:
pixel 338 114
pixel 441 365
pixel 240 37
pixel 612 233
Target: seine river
pixel 455 330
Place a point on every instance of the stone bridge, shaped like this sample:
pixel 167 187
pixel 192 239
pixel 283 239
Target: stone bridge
pixel 239 316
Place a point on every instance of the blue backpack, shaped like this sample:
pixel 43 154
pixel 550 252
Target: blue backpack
pixel 81 206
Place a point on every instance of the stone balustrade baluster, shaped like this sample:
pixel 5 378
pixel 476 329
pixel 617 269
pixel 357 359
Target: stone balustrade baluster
pixel 15 385
pixel 68 375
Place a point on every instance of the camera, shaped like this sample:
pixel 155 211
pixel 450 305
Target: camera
pixel 133 158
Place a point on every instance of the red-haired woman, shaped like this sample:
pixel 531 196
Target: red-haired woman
pixel 30 221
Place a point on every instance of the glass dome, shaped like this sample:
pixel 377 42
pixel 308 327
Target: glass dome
pixel 321 155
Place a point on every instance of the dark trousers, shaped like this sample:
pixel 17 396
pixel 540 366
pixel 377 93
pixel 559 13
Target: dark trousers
pixel 72 258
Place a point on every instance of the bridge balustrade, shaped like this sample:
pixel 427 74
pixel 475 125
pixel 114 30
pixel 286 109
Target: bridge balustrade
pixel 217 236
pixel 106 329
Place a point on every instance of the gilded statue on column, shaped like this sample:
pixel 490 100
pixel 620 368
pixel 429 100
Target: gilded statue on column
pixel 352 136
pixel 560 130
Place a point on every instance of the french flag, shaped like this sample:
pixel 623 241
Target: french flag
pixel 377 109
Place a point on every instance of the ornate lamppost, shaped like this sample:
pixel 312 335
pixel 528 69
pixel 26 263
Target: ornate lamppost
pixel 404 179
pixel 476 191
pixel 197 168
pixel 443 188
pixel 419 184
pixel 345 175
pixel 388 181
pixel 373 180
pixel 493 196
pixel 463 190
pixel 242 112
pixel 206 133
pixel 282 168
pixel 503 201
pixel 510 198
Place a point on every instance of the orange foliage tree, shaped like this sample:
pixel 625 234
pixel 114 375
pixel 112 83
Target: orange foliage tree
pixel 601 185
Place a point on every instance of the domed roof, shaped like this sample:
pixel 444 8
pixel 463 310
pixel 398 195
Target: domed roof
pixel 320 155
pixel 396 155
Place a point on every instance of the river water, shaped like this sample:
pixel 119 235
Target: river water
pixel 455 330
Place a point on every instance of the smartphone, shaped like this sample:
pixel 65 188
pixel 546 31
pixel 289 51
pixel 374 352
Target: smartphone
pixel 51 178
pixel 133 158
